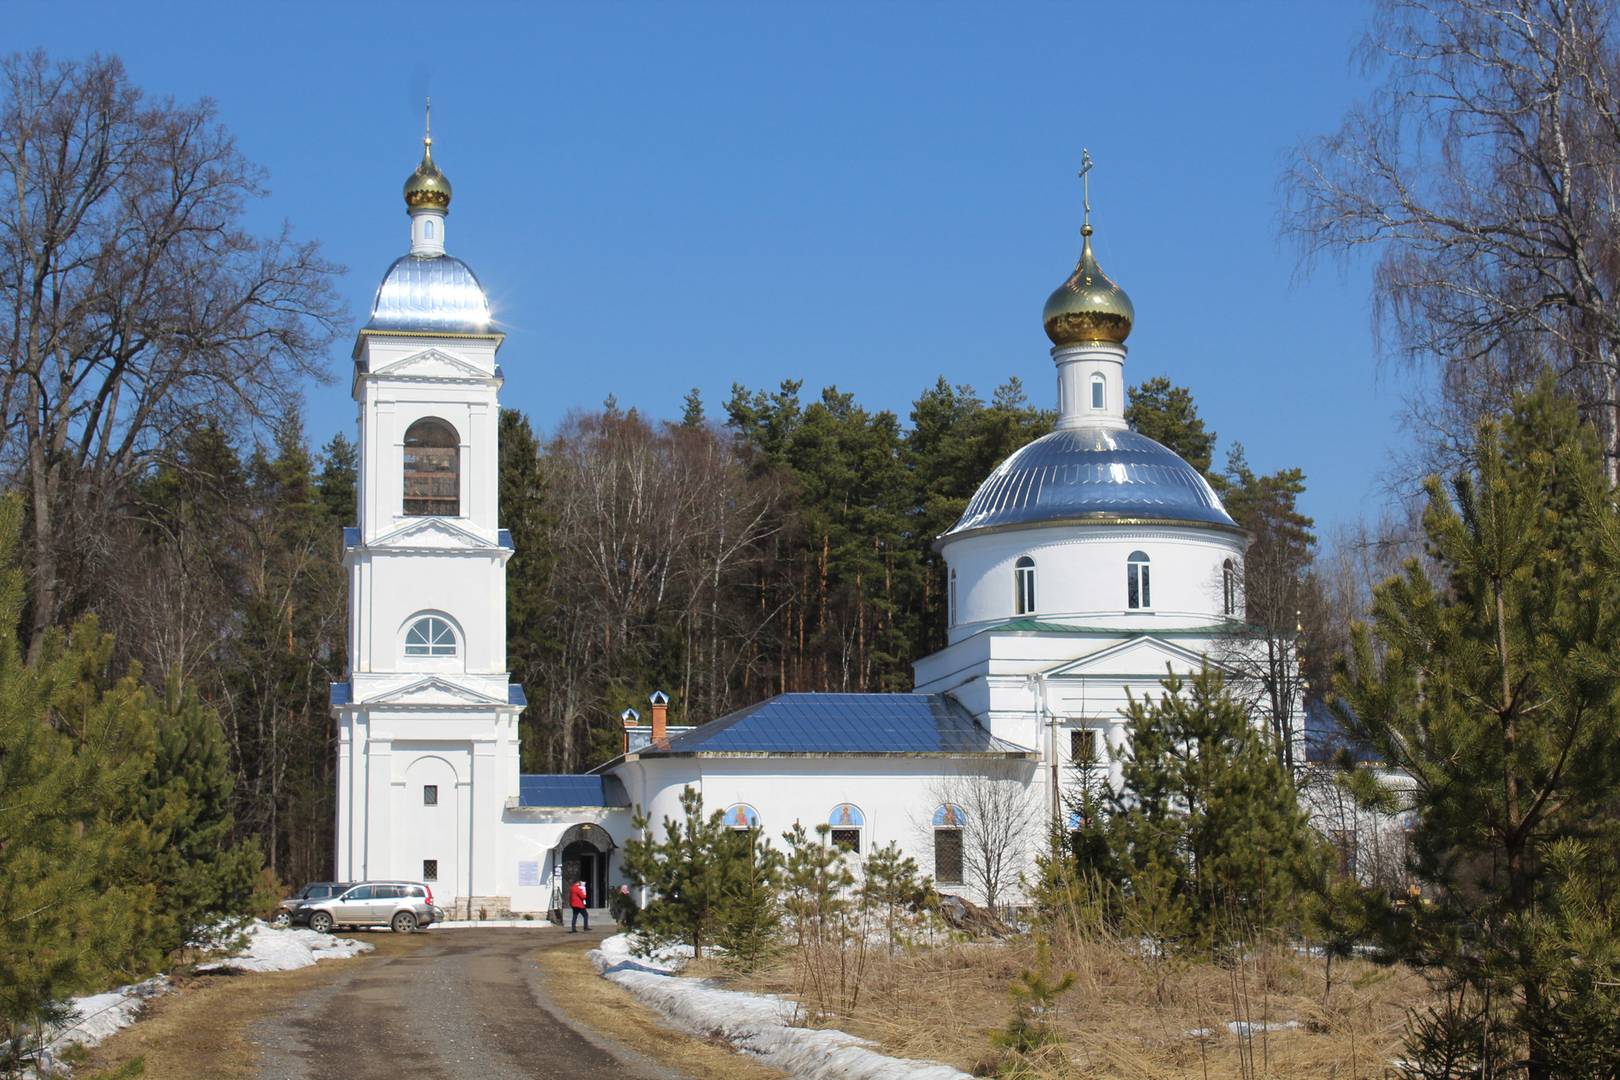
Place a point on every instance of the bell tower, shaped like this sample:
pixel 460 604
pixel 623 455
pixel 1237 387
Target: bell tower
pixel 427 721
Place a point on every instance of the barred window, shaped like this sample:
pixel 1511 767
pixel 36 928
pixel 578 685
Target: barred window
pixel 847 839
pixel 432 469
pixel 1228 588
pixel 430 795
pixel 1083 746
pixel 430 869
pixel 948 856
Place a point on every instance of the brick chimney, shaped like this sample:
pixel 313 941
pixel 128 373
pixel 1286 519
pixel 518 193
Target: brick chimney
pixel 660 718
pixel 631 718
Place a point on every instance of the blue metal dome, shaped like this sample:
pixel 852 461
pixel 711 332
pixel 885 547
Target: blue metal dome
pixel 435 293
pixel 1091 474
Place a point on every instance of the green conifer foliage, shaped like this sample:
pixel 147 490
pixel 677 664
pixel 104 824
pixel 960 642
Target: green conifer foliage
pixel 1495 687
pixel 185 799
pixel 1206 818
pixel 698 876
pixel 76 893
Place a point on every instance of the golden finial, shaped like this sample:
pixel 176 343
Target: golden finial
pixel 1085 190
pixel 427 186
pixel 1088 308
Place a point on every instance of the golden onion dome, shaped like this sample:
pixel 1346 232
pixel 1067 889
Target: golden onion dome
pixel 427 187
pixel 1088 308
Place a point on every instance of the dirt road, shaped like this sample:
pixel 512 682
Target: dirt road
pixel 465 1003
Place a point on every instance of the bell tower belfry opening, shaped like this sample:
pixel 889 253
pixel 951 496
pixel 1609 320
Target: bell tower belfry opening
pixel 427 721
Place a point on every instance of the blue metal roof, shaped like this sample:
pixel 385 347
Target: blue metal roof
pixel 340 694
pixel 559 789
pixel 351 536
pixel 515 694
pixel 503 537
pixel 843 724
pixel 1091 474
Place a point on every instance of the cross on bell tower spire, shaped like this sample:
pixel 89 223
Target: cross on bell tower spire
pixel 1085 190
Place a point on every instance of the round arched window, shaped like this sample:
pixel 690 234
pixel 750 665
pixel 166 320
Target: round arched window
pixel 1024 585
pixel 430 636
pixel 1138 594
pixel 432 469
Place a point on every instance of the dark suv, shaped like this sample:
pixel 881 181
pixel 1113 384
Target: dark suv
pixel 292 912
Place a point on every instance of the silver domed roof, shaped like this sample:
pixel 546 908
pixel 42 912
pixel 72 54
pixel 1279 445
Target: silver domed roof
pixel 430 293
pixel 1091 474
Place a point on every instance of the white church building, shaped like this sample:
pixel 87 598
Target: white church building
pixel 1086 563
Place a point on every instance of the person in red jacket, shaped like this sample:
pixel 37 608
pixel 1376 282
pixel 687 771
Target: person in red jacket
pixel 576 900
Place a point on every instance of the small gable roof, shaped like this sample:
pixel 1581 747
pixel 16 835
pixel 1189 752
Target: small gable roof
pixel 843 724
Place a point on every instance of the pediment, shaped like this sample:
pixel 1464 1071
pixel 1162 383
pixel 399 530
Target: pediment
pixel 434 691
pixel 1144 657
pixel 432 534
pixel 432 364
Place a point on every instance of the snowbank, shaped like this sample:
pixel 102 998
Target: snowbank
pixel 757 1024
pixel 269 949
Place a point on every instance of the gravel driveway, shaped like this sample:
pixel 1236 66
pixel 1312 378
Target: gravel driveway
pixel 466 1003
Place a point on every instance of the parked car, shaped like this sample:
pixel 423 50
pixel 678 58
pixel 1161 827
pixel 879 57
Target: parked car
pixel 403 906
pixel 290 912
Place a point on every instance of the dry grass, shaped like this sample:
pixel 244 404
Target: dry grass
pixel 1131 1017
pixel 200 1029
pixel 608 1008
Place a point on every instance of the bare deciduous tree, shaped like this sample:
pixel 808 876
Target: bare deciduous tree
pixel 1485 173
pixel 1001 825
pixel 132 300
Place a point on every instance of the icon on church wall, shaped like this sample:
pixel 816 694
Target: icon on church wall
pixel 740 816
pixel 949 816
pixel 846 816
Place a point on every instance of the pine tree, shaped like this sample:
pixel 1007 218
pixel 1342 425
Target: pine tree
pixel 185 800
pixel 76 899
pixel 530 637
pixel 690 875
pixel 1206 810
pixel 1495 688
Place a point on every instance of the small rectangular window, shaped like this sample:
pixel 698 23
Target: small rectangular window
pixel 948 856
pixel 1083 746
pixel 848 839
pixel 430 794
pixel 430 869
pixel 1096 393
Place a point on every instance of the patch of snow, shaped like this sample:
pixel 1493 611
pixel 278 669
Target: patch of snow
pixel 96 1017
pixel 1243 1028
pixel 757 1024
pixel 269 949
pixel 1199 1033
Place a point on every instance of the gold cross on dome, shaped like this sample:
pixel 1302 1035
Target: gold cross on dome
pixel 1085 183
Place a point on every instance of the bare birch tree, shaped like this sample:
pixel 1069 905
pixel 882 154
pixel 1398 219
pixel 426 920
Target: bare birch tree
pixel 1484 172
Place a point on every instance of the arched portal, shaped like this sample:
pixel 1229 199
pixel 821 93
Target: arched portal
pixel 583 853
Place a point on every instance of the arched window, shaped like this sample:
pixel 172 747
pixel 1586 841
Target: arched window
pixel 949 821
pixel 740 817
pixel 846 821
pixel 1228 588
pixel 1137 594
pixel 1024 585
pixel 430 636
pixel 432 469
pixel 427 228
pixel 951 600
pixel 1099 391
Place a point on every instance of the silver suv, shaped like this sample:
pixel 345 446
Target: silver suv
pixel 403 906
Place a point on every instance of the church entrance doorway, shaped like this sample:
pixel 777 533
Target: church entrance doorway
pixel 582 853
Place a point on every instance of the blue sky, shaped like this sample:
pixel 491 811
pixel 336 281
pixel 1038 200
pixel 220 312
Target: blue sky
pixel 662 197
